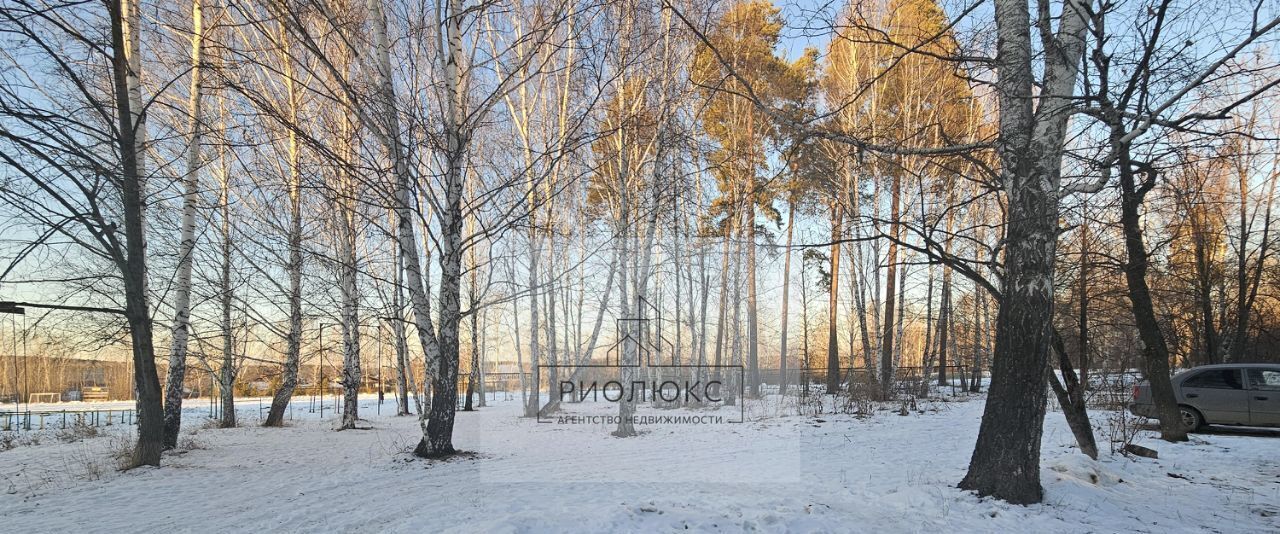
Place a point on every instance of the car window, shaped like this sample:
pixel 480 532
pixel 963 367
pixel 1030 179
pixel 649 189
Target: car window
pixel 1265 379
pixel 1216 378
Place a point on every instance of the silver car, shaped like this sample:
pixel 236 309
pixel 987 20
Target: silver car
pixel 1227 394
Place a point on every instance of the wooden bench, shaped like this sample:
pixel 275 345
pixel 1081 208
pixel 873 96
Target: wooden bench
pixel 95 394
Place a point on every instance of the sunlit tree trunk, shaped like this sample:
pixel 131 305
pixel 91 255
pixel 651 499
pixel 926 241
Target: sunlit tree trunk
pixel 833 300
pixel 753 341
pixel 174 385
pixel 890 294
pixel 438 439
pixel 226 297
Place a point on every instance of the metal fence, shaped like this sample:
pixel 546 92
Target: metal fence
pixel 41 419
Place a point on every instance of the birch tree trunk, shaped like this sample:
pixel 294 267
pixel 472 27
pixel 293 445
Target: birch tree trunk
pixel 227 371
pixel 553 372
pixel 293 350
pixel 535 353
pixel 412 271
pixel 628 349
pixel 349 268
pixel 1006 458
pixel 401 340
pixel 132 29
pixel 857 283
pixel 177 374
pixel 438 438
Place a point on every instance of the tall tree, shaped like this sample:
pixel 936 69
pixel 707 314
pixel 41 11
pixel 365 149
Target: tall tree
pixel 743 43
pixel 1032 133
pixel 176 379
pixel 1128 106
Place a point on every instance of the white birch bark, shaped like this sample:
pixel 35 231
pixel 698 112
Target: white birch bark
pixel 174 385
pixel 226 296
pixel 293 349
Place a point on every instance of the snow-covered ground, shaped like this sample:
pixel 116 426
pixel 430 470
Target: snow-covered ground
pixel 824 473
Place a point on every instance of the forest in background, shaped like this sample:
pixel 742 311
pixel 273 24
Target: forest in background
pixel 877 185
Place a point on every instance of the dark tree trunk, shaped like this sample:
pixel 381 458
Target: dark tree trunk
pixel 1071 398
pixel 1204 298
pixel 833 342
pixel 132 264
pixel 980 324
pixel 891 280
pixel 1083 289
pixel 722 315
pixel 438 441
pixel 944 326
pixel 1155 353
pixel 1249 281
pixel 1006 459
pixel 475 353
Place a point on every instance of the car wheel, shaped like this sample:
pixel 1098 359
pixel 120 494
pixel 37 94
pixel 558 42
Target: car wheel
pixel 1191 419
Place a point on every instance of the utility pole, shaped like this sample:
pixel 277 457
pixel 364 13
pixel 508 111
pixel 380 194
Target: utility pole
pixel 320 384
pixel 380 394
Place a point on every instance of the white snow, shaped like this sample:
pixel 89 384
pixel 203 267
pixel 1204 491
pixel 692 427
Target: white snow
pixel 777 473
